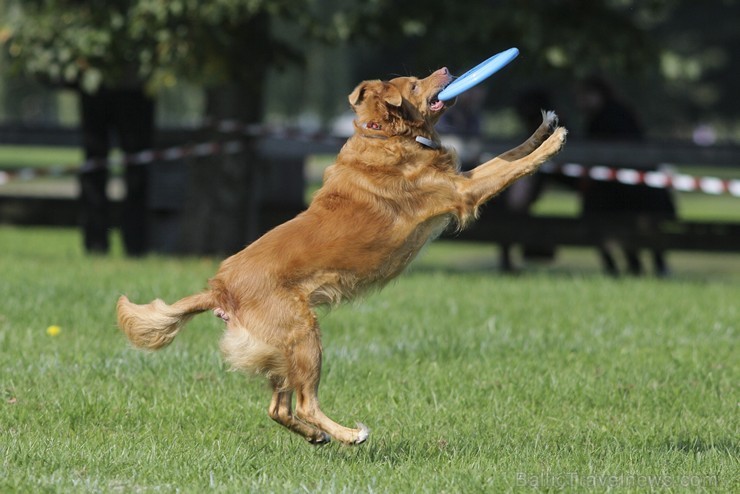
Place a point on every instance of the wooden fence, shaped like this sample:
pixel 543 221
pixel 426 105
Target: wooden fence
pixel 277 165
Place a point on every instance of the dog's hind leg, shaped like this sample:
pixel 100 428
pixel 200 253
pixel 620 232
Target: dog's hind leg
pixel 281 412
pixel 244 352
pixel 247 352
pixel 304 377
pixel 308 410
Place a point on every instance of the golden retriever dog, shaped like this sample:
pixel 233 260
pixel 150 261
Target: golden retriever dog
pixel 392 189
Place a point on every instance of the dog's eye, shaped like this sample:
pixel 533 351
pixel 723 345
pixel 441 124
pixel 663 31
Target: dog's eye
pixel 414 87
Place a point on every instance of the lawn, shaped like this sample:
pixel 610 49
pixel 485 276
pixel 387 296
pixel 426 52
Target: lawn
pixel 557 379
pixel 38 156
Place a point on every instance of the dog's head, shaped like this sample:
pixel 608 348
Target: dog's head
pixel 402 104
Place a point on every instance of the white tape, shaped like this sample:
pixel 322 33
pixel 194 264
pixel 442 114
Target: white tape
pixel 733 187
pixel 573 169
pixel 658 180
pixel 684 183
pixel 600 173
pixel 203 149
pixel 171 154
pixel 142 158
pixel 711 185
pixel 628 176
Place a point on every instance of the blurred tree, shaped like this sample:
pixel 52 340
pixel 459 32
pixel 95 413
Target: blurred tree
pixel 151 43
pixel 566 35
pixel 120 52
pixel 678 58
pixel 229 45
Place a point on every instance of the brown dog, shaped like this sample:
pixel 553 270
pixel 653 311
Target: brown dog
pixel 392 189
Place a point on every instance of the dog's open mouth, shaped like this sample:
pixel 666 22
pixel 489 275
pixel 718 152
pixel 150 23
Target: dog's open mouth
pixel 435 104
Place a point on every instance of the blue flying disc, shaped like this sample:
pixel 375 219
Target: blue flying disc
pixel 478 74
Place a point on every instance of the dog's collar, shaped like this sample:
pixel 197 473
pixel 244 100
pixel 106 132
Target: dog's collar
pixel 424 141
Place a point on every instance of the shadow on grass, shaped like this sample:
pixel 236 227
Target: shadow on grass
pixel 696 445
pixel 396 452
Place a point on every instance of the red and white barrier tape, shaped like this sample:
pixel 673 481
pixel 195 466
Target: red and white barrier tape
pixel 652 178
pixel 178 152
pixel 141 158
pixel 273 132
pixel 656 179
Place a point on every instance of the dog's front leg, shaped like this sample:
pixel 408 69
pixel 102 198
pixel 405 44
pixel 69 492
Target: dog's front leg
pixel 545 130
pixel 498 164
pixel 489 179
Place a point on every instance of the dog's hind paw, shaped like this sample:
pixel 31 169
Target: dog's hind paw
pixel 363 434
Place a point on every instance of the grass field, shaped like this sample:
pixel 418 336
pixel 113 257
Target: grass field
pixel 38 156
pixel 556 380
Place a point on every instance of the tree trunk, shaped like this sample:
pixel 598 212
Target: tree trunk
pixel 222 213
pixel 128 114
pixel 226 193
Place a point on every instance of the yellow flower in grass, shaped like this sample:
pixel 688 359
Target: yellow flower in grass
pixel 53 330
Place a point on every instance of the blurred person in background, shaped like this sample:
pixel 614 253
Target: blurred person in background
pixel 124 113
pixel 607 118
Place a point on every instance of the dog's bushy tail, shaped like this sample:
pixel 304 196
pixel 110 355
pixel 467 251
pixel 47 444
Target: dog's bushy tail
pixel 155 325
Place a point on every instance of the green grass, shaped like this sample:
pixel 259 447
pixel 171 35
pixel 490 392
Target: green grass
pixel 470 381
pixel 12 156
pixel 692 206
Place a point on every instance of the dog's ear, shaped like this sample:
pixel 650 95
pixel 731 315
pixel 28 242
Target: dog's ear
pixel 356 96
pixel 392 95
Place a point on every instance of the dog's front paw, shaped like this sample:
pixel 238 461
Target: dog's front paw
pixel 562 133
pixel 557 141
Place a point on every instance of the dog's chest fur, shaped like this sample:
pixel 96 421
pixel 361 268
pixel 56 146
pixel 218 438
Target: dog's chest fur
pixel 377 209
pixel 382 217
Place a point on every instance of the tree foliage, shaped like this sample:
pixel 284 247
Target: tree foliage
pixel 681 44
pixel 156 41
pixel 151 42
pixel 570 35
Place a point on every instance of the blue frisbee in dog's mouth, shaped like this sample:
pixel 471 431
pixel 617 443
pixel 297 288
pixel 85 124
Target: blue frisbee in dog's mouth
pixel 478 74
